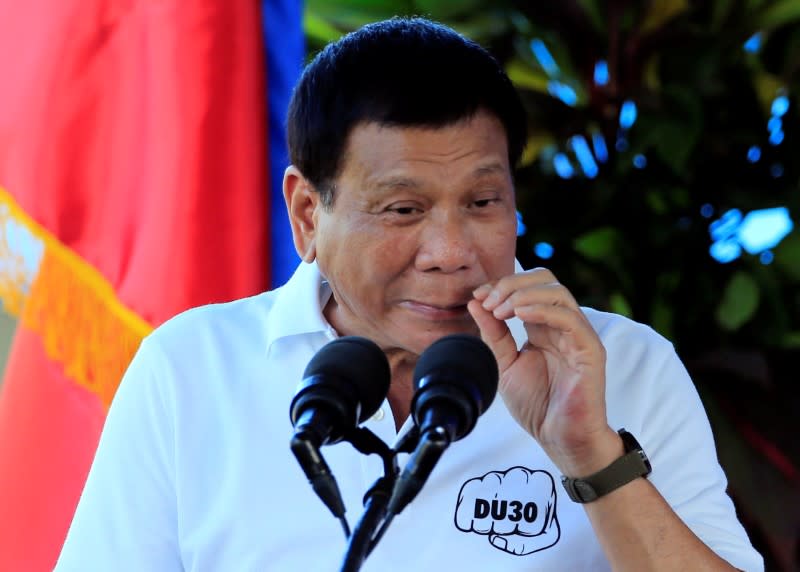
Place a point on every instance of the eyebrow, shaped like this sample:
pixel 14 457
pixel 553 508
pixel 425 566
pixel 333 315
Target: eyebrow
pixel 490 169
pixel 392 183
pixel 400 181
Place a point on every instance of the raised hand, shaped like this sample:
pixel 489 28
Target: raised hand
pixel 554 385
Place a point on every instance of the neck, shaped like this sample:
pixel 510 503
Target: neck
pixel 401 364
pixel 401 389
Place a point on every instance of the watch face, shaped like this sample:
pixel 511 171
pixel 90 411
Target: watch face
pixel 646 461
pixel 631 444
pixel 632 465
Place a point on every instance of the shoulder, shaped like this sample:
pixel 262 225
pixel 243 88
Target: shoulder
pixel 248 326
pixel 618 332
pixel 215 323
pixel 644 375
pixel 228 348
pixel 206 337
pixel 634 351
pixel 206 347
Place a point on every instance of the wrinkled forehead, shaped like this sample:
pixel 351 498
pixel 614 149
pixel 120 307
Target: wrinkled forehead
pixel 371 142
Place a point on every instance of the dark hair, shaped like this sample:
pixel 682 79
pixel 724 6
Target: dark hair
pixel 399 72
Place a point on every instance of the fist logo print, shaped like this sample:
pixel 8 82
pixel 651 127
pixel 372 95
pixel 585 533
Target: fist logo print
pixel 516 509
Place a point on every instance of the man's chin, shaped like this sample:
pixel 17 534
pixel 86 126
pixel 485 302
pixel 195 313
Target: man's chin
pixel 423 341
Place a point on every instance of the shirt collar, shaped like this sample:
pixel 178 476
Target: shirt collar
pixel 298 304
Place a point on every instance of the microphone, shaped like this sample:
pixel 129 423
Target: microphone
pixel 455 381
pixel 343 385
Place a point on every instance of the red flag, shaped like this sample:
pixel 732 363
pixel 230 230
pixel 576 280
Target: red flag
pixel 132 177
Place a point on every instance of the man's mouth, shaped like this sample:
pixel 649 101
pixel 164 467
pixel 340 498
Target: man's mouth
pixel 438 310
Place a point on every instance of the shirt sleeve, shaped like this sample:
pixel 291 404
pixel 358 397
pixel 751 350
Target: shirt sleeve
pixel 126 517
pixel 685 466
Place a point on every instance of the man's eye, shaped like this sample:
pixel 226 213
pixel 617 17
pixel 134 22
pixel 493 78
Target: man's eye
pixel 481 203
pixel 404 210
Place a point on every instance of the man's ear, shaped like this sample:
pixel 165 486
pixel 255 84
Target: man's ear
pixel 302 201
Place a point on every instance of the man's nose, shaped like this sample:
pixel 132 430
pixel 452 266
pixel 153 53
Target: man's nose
pixel 447 245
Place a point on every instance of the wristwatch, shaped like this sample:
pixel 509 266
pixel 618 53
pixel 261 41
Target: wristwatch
pixel 632 465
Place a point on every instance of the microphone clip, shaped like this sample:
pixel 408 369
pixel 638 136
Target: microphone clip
pixel 366 442
pixel 429 448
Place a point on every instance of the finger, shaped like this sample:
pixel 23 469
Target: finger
pixel 481 293
pixel 511 282
pixel 495 334
pixel 501 289
pixel 542 321
pixel 553 294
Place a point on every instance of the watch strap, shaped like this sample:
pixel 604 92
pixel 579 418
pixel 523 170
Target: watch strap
pixel 632 465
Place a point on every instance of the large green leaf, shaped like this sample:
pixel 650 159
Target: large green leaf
pixel 318 29
pixel 672 126
pixel 662 318
pixel 656 201
pixel 376 6
pixel 447 9
pixel 526 77
pixel 767 87
pixel 483 26
pixel 620 305
pixel 791 340
pixel 600 244
pixel 779 13
pixel 659 12
pixel 720 9
pixel 739 301
pixel 787 256
pixel 559 49
pixel 593 14
pixel 351 14
pixel 650 73
pixel 675 142
pixel 536 143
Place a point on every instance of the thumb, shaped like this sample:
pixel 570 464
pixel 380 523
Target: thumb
pixel 495 334
pixel 500 542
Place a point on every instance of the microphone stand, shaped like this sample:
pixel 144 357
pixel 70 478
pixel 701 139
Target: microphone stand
pixel 376 500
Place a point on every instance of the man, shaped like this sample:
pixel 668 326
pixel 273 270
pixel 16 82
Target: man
pixel 403 136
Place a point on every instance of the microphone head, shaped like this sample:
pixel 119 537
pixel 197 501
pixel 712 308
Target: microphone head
pixel 460 371
pixel 358 362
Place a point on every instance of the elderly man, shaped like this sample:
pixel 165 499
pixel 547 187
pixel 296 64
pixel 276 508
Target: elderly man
pixel 403 138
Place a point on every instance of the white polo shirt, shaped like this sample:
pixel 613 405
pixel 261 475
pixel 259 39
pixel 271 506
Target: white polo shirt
pixel 194 472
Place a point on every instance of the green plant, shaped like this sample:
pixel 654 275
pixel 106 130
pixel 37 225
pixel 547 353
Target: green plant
pixel 634 236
